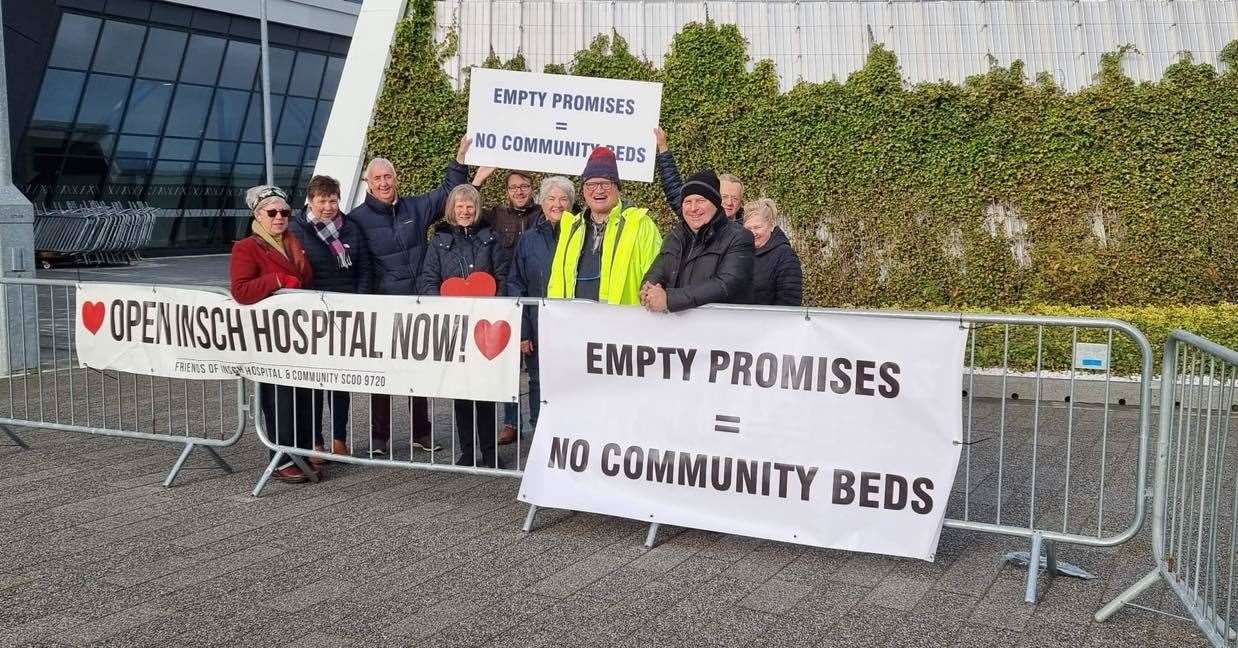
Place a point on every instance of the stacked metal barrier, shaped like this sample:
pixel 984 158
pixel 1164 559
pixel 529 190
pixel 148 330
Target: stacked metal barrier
pixel 94 233
pixel 1195 508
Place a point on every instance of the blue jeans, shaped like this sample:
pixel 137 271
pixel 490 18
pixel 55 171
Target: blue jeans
pixel 511 411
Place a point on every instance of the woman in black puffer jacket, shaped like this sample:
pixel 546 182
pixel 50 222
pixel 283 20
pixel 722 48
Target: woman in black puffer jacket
pixel 777 277
pixel 459 247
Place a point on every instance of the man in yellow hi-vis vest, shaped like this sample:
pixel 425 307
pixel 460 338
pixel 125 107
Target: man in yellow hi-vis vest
pixel 603 253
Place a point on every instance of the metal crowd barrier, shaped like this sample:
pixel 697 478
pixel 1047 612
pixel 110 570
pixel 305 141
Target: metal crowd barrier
pixel 94 233
pixel 46 389
pixel 1195 489
pixel 1045 468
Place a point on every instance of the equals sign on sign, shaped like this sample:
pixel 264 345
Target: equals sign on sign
pixel 723 423
pixel 560 125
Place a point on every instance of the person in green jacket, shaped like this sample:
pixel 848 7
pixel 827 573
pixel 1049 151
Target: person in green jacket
pixel 603 253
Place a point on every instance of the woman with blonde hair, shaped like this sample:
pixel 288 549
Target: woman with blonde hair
pixel 777 276
pixel 463 245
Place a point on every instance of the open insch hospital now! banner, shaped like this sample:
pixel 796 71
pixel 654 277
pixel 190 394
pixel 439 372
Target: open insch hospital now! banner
pixel 831 430
pixel 442 347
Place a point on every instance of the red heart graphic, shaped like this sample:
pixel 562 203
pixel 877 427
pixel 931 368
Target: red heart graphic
pixel 478 284
pixel 492 338
pixel 92 316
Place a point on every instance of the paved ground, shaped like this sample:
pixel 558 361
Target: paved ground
pixel 95 552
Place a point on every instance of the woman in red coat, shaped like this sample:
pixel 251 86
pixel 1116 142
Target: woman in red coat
pixel 267 260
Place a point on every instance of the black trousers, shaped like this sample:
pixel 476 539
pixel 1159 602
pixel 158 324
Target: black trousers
pixel 288 413
pixel 380 417
pixel 341 401
pixel 475 418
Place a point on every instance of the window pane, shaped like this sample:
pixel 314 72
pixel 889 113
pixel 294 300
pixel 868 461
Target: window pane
pixel 202 59
pixel 288 155
pixel 295 123
pixel 136 146
pixel 58 98
pixel 103 103
pixel 176 148
pixel 311 156
pixel 251 153
pixel 161 58
pixel 118 47
pixel 227 114
pixel 308 74
pixel 281 69
pixel 240 66
pixel 92 143
pixel 286 177
pixel 188 115
pixel 81 178
pixel 253 123
pixel 148 106
pixel 331 81
pixel 213 151
pixel 246 176
pixel 209 187
pixel 75 41
pixel 320 122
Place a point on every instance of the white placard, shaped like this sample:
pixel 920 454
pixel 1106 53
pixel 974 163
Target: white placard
pixel 830 430
pixel 442 347
pixel 552 122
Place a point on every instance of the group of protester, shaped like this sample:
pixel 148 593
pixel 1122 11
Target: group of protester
pixel 719 250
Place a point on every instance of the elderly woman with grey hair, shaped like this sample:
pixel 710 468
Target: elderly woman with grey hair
pixel 530 273
pixel 268 260
pixel 462 246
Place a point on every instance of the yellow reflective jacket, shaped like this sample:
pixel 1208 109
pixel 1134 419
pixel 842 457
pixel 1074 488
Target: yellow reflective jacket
pixel 630 245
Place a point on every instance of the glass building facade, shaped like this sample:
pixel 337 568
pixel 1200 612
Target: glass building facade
pixel 171 115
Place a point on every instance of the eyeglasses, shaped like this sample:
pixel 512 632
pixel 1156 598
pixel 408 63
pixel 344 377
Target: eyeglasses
pixel 520 187
pixel 272 213
pixel 599 185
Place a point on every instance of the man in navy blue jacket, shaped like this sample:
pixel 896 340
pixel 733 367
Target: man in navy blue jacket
pixel 396 229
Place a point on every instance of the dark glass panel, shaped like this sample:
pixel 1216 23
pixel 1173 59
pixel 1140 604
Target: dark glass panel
pixel 148 107
pixel 126 179
pixel 253 122
pixel 188 115
pixel 119 46
pixel 178 148
pixel 167 183
pixel 295 124
pixel 136 146
pixel 161 58
pixel 75 42
pixel 58 98
pixel 319 126
pixel 331 80
pixel 202 59
pixel 240 66
pixel 227 114
pixel 103 103
pixel 307 75
pixel 215 151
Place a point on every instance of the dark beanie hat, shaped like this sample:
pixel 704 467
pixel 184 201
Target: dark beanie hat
pixel 704 184
pixel 601 164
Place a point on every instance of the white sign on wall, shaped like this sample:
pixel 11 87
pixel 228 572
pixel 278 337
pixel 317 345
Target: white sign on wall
pixel 552 122
pixel 835 431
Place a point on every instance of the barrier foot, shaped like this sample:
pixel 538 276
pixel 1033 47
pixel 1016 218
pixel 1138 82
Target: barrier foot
pixel 528 518
pixel 219 460
pixel 266 474
pixel 651 539
pixel 14 438
pixel 176 467
pixel 1045 548
pixel 1129 594
pixel 309 472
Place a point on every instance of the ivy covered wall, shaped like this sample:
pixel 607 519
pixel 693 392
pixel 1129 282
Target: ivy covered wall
pixel 1003 193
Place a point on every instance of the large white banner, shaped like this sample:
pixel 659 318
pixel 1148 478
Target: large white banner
pixel 552 122
pixel 838 431
pixel 443 347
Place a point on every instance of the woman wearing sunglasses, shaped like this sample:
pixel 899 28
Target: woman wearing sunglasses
pixel 267 260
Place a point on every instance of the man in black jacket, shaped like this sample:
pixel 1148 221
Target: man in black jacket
pixel 396 229
pixel 705 259
pixel 730 187
pixel 340 257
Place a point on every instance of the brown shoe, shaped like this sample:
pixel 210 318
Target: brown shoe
pixel 318 461
pixel 340 448
pixel 290 474
pixel 508 435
